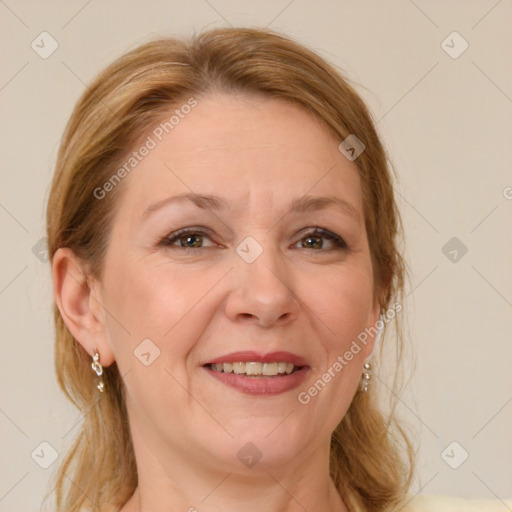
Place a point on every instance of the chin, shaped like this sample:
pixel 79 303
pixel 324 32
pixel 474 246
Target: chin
pixel 260 442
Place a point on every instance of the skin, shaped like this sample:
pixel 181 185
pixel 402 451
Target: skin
pixel 301 295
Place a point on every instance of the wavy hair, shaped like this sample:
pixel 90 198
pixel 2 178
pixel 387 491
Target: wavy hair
pixel 371 458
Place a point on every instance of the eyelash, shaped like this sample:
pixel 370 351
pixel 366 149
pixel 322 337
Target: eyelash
pixel 316 232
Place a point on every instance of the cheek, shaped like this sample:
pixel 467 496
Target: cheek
pixel 343 304
pixel 342 301
pixel 151 302
pixel 155 301
pixel 141 303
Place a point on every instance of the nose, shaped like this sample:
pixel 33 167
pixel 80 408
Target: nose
pixel 262 291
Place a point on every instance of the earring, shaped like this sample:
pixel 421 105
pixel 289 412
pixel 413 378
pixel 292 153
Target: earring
pixel 96 366
pixel 365 381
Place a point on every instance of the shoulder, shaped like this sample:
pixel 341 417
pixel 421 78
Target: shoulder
pixel 423 503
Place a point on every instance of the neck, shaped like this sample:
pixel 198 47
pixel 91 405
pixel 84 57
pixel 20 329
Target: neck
pixel 285 502
pixel 184 485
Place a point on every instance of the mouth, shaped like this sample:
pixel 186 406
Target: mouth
pixel 259 374
pixel 256 369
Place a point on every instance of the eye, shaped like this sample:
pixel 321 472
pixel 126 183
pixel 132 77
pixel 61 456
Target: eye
pixel 314 240
pixel 187 238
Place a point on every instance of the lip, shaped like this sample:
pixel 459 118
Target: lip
pixel 262 386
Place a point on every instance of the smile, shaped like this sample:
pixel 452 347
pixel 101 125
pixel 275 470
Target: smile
pixel 256 369
pixel 253 373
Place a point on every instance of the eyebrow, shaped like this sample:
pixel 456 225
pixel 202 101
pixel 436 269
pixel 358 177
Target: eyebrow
pixel 300 205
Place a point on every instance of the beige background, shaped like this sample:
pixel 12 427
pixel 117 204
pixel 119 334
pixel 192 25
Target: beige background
pixel 447 123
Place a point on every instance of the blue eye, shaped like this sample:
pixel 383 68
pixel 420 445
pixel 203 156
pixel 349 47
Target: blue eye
pixel 192 238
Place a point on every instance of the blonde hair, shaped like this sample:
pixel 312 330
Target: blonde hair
pixel 367 462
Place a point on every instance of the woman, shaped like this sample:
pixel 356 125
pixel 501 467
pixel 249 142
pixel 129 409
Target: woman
pixel 223 240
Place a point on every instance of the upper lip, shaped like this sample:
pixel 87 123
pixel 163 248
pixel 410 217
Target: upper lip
pixel 258 357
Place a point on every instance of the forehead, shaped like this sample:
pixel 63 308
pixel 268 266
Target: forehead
pixel 248 147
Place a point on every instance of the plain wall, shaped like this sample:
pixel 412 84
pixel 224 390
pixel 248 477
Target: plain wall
pixel 447 122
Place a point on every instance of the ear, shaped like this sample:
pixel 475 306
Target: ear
pixel 81 310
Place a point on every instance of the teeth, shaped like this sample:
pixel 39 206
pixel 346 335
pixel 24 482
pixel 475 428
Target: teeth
pixel 281 367
pixel 255 368
pixel 239 367
pixel 269 369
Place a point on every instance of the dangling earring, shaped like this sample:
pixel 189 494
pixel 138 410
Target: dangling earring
pixel 365 381
pixel 367 374
pixel 96 366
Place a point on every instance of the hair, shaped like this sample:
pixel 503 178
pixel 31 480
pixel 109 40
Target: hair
pixel 371 457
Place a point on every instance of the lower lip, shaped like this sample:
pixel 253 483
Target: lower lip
pixel 263 386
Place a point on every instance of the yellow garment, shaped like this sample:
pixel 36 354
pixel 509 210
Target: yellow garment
pixel 425 503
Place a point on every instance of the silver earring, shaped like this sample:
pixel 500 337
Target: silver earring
pixel 96 366
pixel 365 381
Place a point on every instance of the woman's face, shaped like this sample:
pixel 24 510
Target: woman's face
pixel 249 279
